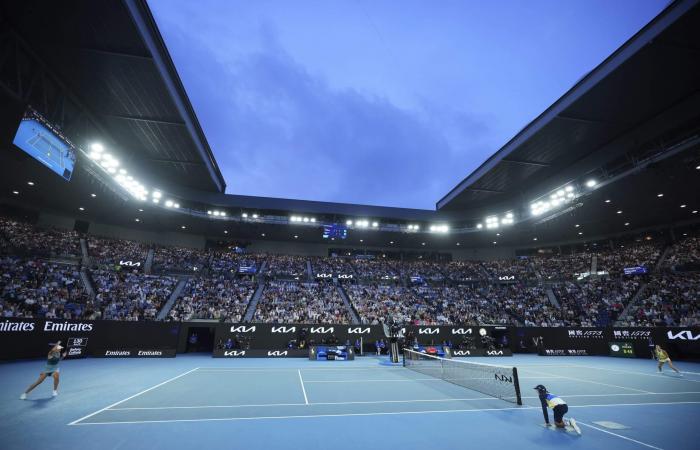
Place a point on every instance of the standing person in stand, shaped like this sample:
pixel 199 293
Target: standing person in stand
pixel 54 357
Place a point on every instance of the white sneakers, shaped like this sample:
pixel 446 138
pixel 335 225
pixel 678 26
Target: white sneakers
pixel 24 395
pixel 573 423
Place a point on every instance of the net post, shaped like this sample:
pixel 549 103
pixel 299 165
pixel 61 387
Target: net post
pixel 516 382
pixel 403 359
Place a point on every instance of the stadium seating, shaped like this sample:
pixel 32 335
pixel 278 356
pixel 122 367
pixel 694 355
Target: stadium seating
pixel 35 282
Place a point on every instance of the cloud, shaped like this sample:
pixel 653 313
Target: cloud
pixel 279 131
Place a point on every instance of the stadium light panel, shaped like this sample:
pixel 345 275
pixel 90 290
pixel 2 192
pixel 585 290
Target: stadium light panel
pixel 223 214
pixel 683 206
pixel 157 194
pixel 255 216
pixel 591 183
pixel 348 222
pixel 209 213
pixel 169 203
pixel 627 224
pixel 15 192
pixel 306 219
pixel 619 211
pixel 137 220
pixel 176 205
pixel 81 208
pixel 155 200
pixel 479 226
pixel 97 147
pixel 607 200
pixel 695 211
pixel 31 183
pixel 659 195
pixel 313 220
pixel 183 227
pixel 244 215
pixel 375 224
pixel 93 195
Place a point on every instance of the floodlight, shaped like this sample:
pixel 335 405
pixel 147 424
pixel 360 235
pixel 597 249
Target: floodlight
pixel 591 183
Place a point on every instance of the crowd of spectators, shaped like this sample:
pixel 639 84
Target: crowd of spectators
pixel 562 267
pixel 36 288
pixel 25 239
pixel 521 269
pixel 229 262
pixel 595 302
pixel 220 298
pixel 286 266
pixel 426 270
pixel 180 259
pixel 615 261
pixel 109 252
pixel 335 265
pixel 130 295
pixel 670 299
pixel 685 255
pixel 377 302
pixel 375 269
pixel 452 292
pixel 464 271
pixel 291 302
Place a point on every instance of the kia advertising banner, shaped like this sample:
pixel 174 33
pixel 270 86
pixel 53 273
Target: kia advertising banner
pixel 30 338
pixel 265 336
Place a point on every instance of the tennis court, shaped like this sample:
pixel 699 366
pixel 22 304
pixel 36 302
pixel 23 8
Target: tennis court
pixel 367 403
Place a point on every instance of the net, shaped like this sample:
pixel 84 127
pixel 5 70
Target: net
pixel 494 381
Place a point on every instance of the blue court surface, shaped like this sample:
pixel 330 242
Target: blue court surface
pixel 195 401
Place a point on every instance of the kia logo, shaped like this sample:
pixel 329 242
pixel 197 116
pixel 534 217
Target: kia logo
pixel 461 331
pixel 234 353
pixel 322 330
pixel 685 335
pixel 428 330
pixel 277 353
pixel 504 378
pixel 243 329
pixel 129 263
pixel 358 330
pixel 284 329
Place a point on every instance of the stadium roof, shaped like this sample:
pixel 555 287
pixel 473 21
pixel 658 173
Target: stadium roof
pixel 110 54
pixel 643 95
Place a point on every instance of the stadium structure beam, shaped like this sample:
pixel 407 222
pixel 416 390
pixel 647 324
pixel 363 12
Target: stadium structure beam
pixel 173 161
pixel 113 53
pixel 490 191
pixel 580 119
pixel 526 162
pixel 158 120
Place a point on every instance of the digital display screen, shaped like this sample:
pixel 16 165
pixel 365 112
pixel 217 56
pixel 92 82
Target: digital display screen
pixel 638 270
pixel 37 138
pixel 335 231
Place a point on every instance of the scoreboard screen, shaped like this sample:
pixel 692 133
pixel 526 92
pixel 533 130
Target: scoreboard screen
pixel 335 231
pixel 43 142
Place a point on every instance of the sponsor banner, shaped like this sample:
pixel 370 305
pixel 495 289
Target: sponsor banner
pixel 679 342
pixel 258 353
pixel 134 353
pixel 481 352
pixel 265 335
pixel 130 264
pixel 564 352
pixel 30 338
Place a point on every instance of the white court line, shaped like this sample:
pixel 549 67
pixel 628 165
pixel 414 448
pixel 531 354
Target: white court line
pixel 372 402
pixel 303 389
pixel 596 382
pixel 655 375
pixel 282 369
pixel 415 379
pixel 619 435
pixel 75 422
pixel 519 408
